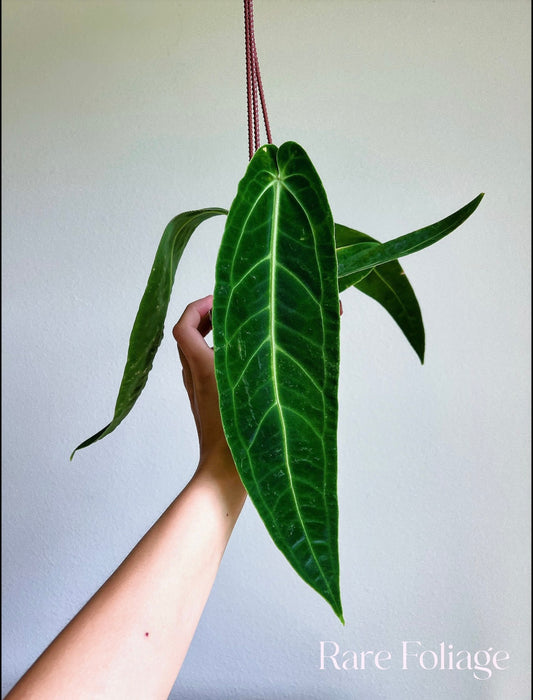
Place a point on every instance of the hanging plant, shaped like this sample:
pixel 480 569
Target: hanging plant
pixel 281 265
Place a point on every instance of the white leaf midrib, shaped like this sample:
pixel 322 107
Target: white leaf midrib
pixel 274 347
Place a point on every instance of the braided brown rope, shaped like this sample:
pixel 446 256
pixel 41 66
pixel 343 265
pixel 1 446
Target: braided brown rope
pixel 254 86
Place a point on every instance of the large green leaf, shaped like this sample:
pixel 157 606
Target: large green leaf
pixel 276 338
pixel 365 255
pixel 147 329
pixel 388 285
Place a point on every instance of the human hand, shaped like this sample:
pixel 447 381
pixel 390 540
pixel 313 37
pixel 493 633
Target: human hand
pixel 197 360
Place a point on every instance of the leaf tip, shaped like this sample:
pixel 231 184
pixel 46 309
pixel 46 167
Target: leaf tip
pixel 336 604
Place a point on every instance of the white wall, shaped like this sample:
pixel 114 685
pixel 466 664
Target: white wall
pixel 117 115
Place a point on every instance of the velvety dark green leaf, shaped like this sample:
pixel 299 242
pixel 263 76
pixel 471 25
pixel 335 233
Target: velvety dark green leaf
pixel 147 329
pixel 364 255
pixel 344 237
pixel 276 338
pixel 388 285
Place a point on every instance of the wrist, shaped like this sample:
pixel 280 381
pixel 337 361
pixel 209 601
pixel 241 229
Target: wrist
pixel 217 471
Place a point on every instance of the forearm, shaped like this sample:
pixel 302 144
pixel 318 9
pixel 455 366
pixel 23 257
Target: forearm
pixel 132 636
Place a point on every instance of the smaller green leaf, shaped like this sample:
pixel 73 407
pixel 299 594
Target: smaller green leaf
pixel 362 256
pixel 389 286
pixel 147 331
pixel 344 237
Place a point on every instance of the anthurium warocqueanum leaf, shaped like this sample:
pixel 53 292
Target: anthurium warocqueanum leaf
pixel 147 329
pixel 276 339
pixel 364 255
pixel 388 285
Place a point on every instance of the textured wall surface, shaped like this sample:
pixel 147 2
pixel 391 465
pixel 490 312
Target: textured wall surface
pixel 117 115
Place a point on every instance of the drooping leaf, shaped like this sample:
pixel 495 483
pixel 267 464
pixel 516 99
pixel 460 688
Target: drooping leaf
pixel 276 339
pixel 388 285
pixel 365 255
pixel 147 329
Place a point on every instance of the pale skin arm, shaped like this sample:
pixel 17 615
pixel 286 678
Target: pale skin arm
pixel 130 639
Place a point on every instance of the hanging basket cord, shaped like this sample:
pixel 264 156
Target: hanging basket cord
pixel 254 86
